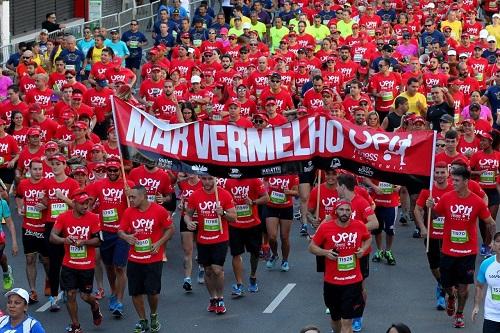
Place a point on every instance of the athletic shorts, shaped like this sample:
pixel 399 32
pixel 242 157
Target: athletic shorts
pixel 144 279
pixel 133 63
pixel 434 254
pixel 245 238
pixel 8 175
pixel 114 250
pixel 101 129
pixel 285 213
pixel 364 265
pixel 2 248
pixel 457 270
pixel 34 242
pixel 307 178
pixel 263 227
pixel 183 226
pixel 344 302
pixel 212 254
pixel 386 217
pixel 493 197
pixel 320 264
pixel 490 326
pixel 77 279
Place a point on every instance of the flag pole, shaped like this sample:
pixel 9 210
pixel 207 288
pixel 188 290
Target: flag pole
pixel 122 167
pixel 431 185
pixel 318 196
pixel 217 203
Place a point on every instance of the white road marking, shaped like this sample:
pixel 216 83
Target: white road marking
pixel 47 305
pixel 279 298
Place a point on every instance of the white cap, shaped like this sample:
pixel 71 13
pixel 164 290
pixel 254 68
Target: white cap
pixel 430 5
pixel 463 55
pixel 491 38
pixel 195 79
pixel 247 25
pixel 483 33
pixel 496 15
pixel 20 292
pixel 452 52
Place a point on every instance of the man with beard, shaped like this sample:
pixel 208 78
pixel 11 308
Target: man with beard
pixel 165 106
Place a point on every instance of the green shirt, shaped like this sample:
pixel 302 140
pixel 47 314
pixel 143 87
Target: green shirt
pixel 260 28
pixel 277 35
pixel 345 28
pixel 233 30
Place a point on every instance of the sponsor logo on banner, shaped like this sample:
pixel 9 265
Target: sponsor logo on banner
pixel 335 163
pixel 365 171
pixel 235 173
pixel 271 171
pixel 199 168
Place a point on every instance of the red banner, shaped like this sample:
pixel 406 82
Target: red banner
pixel 299 146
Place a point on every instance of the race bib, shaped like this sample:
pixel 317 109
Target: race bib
pixel 57 209
pixel 70 67
pixel 143 245
pixel 495 293
pixel 347 263
pixel 479 76
pixel 487 177
pixel 216 117
pixel 438 223
pixel 386 188
pixel 459 236
pixel 386 96
pixel 358 57
pixel 134 44
pixel 277 197
pixel 33 213
pixel 197 42
pixel 110 215
pixel 429 97
pixel 2 160
pixel 77 252
pixel 211 225
pixel 151 197
pixel 243 211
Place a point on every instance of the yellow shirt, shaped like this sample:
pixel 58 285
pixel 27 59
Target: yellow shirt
pixel 295 22
pixel 495 31
pixel 260 28
pixel 319 33
pixel 244 19
pixel 277 35
pixel 412 102
pixel 96 54
pixel 456 29
pixel 345 28
pixel 235 31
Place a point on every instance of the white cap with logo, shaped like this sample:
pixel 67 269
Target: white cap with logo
pixel 20 292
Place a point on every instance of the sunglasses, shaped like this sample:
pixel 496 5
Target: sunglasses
pixel 428 25
pixel 69 77
pixel 442 145
pixel 133 24
pixel 112 170
pixel 26 57
pixel 211 33
pixel 275 81
pixel 258 121
pixel 100 170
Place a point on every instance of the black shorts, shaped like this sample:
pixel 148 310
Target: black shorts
pixel 285 213
pixel 114 250
pixel 183 226
pixel 320 264
pixel 364 265
pixel 386 217
pixel 8 175
pixel 434 254
pixel 245 238
pixel 344 302
pixel 307 177
pixel 457 270
pixel 493 197
pixel 490 326
pixel 144 279
pixel 34 242
pixel 133 63
pixel 77 279
pixel 212 254
pixel 263 227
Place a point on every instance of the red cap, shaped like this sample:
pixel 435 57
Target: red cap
pixel 292 33
pixel 113 164
pixel 386 24
pixel 419 119
pixel 58 157
pixel 77 97
pixel 111 129
pixel 185 34
pixel 80 197
pixel 363 69
pixel 100 165
pixel 261 115
pixel 51 145
pixel 34 131
pixel 155 68
pixel 327 90
pixel 331 57
pixel 271 101
pixel 364 99
pixel 153 51
pixel 337 105
pixel 469 120
pixel 80 169
pixel 98 147
pixel 67 114
pixel 485 135
pixel 234 102
pixel 80 124
pixel 302 64
pixel 341 203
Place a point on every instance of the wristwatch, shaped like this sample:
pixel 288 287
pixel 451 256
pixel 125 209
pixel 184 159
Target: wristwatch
pixel 223 213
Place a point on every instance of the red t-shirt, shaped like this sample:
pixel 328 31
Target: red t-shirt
pixel 32 193
pixel 8 147
pixel 56 206
pixel 465 147
pixel 8 107
pixel 488 164
pixel 460 222
pixel 99 100
pixel 112 201
pixel 275 188
pixel 186 191
pixel 82 228
pixel 20 137
pixel 328 198
pixel 83 150
pixel 442 157
pixel 151 90
pixel 37 96
pixel 387 87
pixel 154 182
pixel 312 100
pixel 164 107
pixel 388 198
pixel 345 241
pixel 247 215
pixel 26 156
pixel 437 224
pixel 148 227
pixel 209 223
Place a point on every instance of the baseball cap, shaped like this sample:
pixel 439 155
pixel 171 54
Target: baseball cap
pixel 468 120
pixel 223 31
pixel 98 147
pixel 302 64
pixel 419 119
pixel 58 157
pixel 452 52
pixel 326 90
pixel 44 32
pixel 261 115
pixel 101 82
pixel 77 97
pixel 80 196
pixel 271 102
pixel 246 25
pixel 34 131
pixel 430 5
pixel 478 46
pixel 113 31
pixel 476 106
pixel 496 15
pixel 341 202
pixel 155 68
pixel 234 102
pixel 491 39
pixel 483 33
pixel 276 76
pixel 80 124
pixel 185 35
pixel 447 28
pixel 67 115
pixel 176 11
pixel 51 145
pixel 19 292
pixel 446 118
pixel 485 135
pixel 462 55
pixel 80 169
pixel 113 163
pixel 196 79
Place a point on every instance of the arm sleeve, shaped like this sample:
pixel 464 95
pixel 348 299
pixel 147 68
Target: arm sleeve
pixel 481 274
pixel 5 209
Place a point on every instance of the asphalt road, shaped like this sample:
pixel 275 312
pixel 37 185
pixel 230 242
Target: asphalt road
pixel 404 292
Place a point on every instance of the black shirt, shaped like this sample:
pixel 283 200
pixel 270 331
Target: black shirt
pixel 50 26
pixel 435 112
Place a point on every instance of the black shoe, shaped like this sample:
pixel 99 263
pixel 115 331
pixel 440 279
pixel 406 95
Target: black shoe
pixel 416 233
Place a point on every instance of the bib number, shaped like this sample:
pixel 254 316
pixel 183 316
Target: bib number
pixel 386 188
pixel 151 198
pixel 495 293
pixel 2 160
pixel 347 263
pixel 143 245
pixel 386 96
pixel 211 225
pixel 57 209
pixel 133 44
pixel 110 215
pixel 77 252
pixel 278 197
pixel 487 177
pixel 33 213
pixel 438 223
pixel 243 211
pixel 459 236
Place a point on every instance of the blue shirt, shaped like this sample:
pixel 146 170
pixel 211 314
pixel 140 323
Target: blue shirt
pixel 85 46
pixel 74 58
pixel 172 26
pixel 207 20
pixel 167 40
pixel 129 36
pixel 120 49
pixel 30 325
pixel 375 62
pixel 493 94
pixel 387 15
pixel 14 59
pixel 429 38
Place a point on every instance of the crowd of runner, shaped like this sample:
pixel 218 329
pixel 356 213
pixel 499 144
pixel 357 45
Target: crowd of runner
pixel 394 66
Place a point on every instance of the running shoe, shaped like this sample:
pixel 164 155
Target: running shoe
pixel 389 257
pixel 441 303
pixel 377 257
pixel 266 253
pixel 483 250
pixel 112 302
pixel 99 294
pixel 285 267
pixel 253 287
pixel 451 306
pixel 439 290
pixel 237 290
pixel 221 307
pixel 357 324
pixel 96 314
pixel 54 307
pixel 118 310
pixel 327 311
pixel 212 306
pixel 155 323
pixel 8 280
pixel 303 230
pixel 46 290
pixel 403 220
pixel 141 326
pixel 459 321
pixel 271 262
pixel 201 275
pixel 33 297
pixel 416 233
pixel 74 329
pixel 187 284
